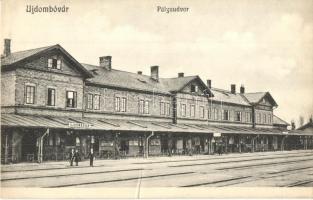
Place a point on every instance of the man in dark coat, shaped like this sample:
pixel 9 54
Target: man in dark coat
pixel 72 157
pixel 76 157
pixel 91 157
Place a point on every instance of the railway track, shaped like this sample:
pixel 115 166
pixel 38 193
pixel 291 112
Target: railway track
pixel 72 174
pixel 245 160
pixel 245 179
pixel 119 180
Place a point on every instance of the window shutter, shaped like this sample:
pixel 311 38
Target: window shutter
pixel 75 100
pixel 49 63
pixel 59 64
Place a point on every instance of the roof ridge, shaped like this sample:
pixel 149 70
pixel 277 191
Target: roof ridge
pixel 254 92
pixel 117 70
pixel 181 77
pixel 33 49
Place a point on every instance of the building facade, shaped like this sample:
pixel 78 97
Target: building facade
pixel 51 103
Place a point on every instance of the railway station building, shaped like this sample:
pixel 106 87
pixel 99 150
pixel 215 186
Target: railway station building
pixel 51 103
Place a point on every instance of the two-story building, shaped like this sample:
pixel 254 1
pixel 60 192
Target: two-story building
pixel 51 103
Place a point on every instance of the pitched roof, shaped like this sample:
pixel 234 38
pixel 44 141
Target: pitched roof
pixel 307 125
pixel 15 57
pixel 228 97
pixel 256 97
pixel 178 83
pixel 279 121
pixel 20 55
pixel 122 79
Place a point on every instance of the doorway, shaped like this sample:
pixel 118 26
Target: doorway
pixel 29 147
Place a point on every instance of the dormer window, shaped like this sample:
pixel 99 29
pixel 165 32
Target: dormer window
pixel 194 88
pixel 54 63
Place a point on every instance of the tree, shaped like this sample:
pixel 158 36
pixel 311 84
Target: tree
pixel 293 125
pixel 301 120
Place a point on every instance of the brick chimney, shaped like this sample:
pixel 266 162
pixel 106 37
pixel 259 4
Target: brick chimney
pixel 242 89
pixel 7 47
pixel 233 88
pixel 105 62
pixel 181 74
pixel 209 83
pixel 139 72
pixel 155 73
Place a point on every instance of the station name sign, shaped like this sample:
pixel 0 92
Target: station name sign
pixel 217 134
pixel 79 125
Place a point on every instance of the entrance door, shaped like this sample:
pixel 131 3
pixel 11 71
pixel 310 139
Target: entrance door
pixel 29 147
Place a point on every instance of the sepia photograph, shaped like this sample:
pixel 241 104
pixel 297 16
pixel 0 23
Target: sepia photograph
pixel 156 99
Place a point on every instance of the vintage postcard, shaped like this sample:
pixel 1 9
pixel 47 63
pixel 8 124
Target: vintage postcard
pixel 156 99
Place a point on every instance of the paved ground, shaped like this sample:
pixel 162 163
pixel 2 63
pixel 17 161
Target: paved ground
pixel 275 169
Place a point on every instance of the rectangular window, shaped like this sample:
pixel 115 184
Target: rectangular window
pixel 51 97
pixel 54 63
pixel 209 113
pixel 215 113
pixel 71 99
pixel 225 114
pixel 117 104
pixel 124 105
pixel 141 105
pixel 248 117
pixel 238 116
pixel 269 119
pixel 162 105
pixel 264 119
pixel 89 101
pixel 167 109
pixel 96 102
pixel 259 118
pixel 183 110
pixel 201 112
pixel 146 108
pixel 30 94
pixel 192 110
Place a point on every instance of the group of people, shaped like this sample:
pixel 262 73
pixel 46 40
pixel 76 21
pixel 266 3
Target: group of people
pixel 75 157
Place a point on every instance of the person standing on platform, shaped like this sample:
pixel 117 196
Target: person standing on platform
pixel 71 157
pixel 91 157
pixel 76 157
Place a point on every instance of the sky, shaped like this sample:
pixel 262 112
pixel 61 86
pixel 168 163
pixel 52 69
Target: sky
pixel 264 45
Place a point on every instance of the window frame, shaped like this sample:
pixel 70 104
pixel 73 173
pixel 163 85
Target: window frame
pixel 123 106
pixel 141 106
pixel 162 108
pixel 226 116
pixel 146 107
pixel 167 109
pixel 236 116
pixel 54 63
pixel 117 103
pixel 193 114
pixel 32 94
pixel 96 104
pixel 90 101
pixel 48 96
pixel 201 112
pixel 183 110
pixel 74 102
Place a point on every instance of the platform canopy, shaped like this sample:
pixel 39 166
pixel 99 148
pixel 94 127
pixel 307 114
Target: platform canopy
pixel 76 123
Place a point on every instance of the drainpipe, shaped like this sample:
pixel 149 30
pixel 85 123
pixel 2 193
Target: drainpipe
pixel 6 149
pixel 147 144
pixel 41 145
pixel 253 117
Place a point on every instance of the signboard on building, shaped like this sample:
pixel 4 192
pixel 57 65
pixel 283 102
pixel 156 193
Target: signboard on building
pixel 79 125
pixel 217 134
